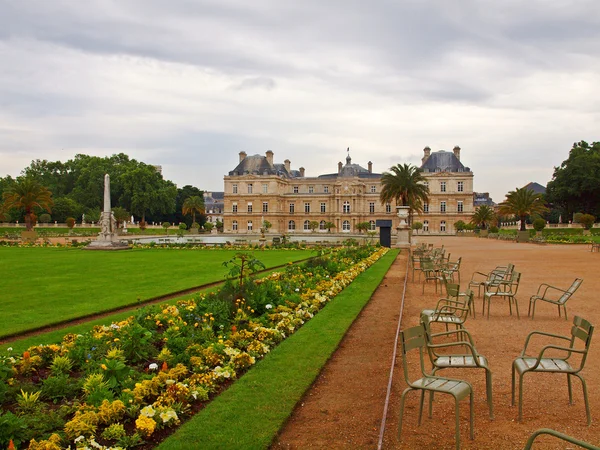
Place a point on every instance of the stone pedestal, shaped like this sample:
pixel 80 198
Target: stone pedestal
pixel 403 234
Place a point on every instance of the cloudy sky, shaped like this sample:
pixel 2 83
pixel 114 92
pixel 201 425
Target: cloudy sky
pixel 188 84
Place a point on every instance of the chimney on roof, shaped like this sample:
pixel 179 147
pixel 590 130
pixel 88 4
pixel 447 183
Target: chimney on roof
pixel 370 166
pixel 456 151
pixel 302 172
pixel 340 167
pixel 287 165
pixel 269 157
pixel 242 156
pixel 426 154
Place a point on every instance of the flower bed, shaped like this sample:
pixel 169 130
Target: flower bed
pixel 131 382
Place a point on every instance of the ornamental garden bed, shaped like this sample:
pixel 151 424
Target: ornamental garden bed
pixel 132 382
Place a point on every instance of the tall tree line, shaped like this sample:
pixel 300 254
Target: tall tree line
pixel 77 188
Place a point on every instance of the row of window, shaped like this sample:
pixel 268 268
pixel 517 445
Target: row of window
pixel 295 189
pixel 307 225
pixel 460 186
pixel 459 206
pixel 307 207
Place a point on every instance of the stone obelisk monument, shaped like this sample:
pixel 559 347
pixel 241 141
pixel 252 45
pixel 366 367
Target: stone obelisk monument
pixel 107 238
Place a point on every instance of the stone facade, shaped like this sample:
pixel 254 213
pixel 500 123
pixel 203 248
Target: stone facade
pixel 259 189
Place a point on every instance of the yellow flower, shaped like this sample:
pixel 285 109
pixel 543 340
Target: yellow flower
pixel 103 366
pixel 146 425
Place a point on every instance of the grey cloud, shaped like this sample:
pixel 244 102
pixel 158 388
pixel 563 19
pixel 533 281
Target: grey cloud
pixel 265 83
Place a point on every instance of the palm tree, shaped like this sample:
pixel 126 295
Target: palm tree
pixel 483 216
pixel 27 194
pixel 193 205
pixel 406 186
pixel 522 203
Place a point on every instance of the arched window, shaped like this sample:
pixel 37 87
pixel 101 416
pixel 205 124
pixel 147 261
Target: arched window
pixel 234 225
pixel 307 225
pixel 291 225
pixel 322 225
pixel 346 225
pixel 372 225
pixel 443 226
pixel 426 225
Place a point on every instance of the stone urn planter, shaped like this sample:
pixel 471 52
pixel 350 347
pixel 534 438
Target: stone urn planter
pixel 523 236
pixel 483 233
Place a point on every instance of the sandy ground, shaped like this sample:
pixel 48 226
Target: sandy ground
pixel 345 406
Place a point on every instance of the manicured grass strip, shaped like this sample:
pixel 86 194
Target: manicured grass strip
pixel 45 286
pixel 249 414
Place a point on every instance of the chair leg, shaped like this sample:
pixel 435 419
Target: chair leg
pixel 585 400
pixel 421 401
pixel 570 389
pixel 431 393
pixel 471 418
pixel 559 315
pixel 457 425
pixel 520 397
pixel 488 388
pixel 402 397
pixel 512 398
pixel 565 308
pixel 516 306
pixel 509 306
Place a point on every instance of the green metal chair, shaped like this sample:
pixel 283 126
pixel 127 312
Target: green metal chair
pixel 415 338
pixel 449 312
pixel 550 294
pixel 451 268
pixel 453 292
pixel 483 280
pixel 431 272
pixel 416 265
pixel 469 358
pixel 581 333
pixel 558 435
pixel 504 289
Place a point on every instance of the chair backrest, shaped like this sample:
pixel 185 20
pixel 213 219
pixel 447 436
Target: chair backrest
pixel 581 330
pixel 563 298
pixel 411 339
pixel 515 279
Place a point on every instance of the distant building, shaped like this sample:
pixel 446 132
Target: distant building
pixel 158 169
pixel 482 198
pixel 213 206
pixel 535 187
pixel 259 189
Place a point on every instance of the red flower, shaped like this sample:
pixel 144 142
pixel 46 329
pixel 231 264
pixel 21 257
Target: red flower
pixel 234 328
pixel 164 366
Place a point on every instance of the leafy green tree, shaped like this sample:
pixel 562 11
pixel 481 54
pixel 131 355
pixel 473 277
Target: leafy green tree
pixel 405 185
pixel 362 226
pixel 522 202
pixel 193 205
pixel 145 191
pixel 460 225
pixel 483 216
pixel 328 226
pixel 45 218
pixel 166 226
pixel 219 226
pixel 417 226
pixel 313 225
pixel 182 194
pixel 29 196
pixel 208 226
pixel 575 185
pixel 121 215
pixel 58 177
pixel 66 207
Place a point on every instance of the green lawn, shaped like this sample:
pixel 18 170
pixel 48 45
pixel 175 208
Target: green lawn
pixel 43 286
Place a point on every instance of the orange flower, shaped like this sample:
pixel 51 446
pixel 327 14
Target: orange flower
pixel 11 445
pixel 26 355
pixel 234 328
pixel 164 367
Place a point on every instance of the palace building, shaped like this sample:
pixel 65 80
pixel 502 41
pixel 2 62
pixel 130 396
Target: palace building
pixel 258 189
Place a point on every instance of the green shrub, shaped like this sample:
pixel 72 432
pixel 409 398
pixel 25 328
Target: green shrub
pixel 587 220
pixel 183 226
pixel 577 217
pixel 539 224
pixel 562 231
pixel 45 218
pixel 493 229
pixel 70 222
